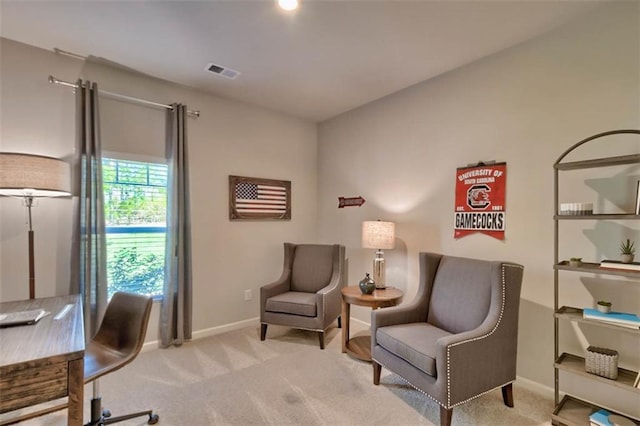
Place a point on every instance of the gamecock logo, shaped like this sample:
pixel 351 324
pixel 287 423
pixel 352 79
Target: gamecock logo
pixel 478 197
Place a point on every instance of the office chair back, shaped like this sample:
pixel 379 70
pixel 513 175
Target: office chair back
pixel 120 336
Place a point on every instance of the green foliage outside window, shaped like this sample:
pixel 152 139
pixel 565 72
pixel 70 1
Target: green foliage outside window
pixel 135 196
pixel 135 272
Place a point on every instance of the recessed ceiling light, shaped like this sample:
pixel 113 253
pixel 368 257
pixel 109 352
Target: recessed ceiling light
pixel 288 4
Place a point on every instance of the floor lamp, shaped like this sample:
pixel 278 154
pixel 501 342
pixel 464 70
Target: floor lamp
pixel 33 176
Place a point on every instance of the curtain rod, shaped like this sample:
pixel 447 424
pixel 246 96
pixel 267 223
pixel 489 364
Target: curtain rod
pixel 54 80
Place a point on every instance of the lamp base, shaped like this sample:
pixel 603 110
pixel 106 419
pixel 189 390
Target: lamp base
pixel 379 271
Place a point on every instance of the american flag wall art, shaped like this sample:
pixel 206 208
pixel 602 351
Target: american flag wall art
pixel 258 198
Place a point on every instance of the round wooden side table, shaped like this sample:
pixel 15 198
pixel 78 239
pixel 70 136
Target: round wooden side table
pixel 360 346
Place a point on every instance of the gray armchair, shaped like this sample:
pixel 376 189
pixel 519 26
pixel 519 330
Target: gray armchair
pixel 457 340
pixel 308 293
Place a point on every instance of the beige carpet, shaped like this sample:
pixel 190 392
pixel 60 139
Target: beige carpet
pixel 235 379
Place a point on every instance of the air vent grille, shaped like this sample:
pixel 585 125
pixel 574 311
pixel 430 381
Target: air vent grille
pixel 225 72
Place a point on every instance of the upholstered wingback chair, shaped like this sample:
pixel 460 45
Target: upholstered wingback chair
pixel 457 340
pixel 308 293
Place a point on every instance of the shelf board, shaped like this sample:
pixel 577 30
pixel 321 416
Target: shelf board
pixel 599 162
pixel 572 411
pixel 599 216
pixel 594 268
pixel 575 365
pixel 570 313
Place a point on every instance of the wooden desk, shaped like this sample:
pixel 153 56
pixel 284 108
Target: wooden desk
pixel 43 361
pixel 360 346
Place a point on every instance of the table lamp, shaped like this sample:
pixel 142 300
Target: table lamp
pixel 378 235
pixel 33 176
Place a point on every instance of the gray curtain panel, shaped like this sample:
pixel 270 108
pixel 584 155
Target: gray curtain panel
pixel 89 251
pixel 175 314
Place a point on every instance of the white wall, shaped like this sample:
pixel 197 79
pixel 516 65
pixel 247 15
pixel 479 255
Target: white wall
pixel 229 138
pixel 525 106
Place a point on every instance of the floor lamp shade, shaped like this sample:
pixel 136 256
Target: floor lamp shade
pixel 379 235
pixel 30 176
pixel 33 175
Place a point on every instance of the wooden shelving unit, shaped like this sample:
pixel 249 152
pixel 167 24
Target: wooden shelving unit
pixel 570 410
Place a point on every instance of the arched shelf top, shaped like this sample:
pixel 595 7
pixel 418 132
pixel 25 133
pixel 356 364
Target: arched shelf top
pixel 598 162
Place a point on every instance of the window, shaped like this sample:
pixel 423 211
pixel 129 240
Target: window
pixel 135 197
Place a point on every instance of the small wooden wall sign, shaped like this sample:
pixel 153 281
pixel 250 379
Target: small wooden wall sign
pixel 350 201
pixel 259 199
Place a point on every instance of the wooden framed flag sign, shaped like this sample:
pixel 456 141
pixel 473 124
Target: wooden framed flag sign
pixel 480 200
pixel 256 198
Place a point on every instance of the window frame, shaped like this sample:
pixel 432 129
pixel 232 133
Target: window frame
pixel 148 159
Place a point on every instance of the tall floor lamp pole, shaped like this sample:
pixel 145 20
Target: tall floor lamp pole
pixel 32 176
pixel 32 264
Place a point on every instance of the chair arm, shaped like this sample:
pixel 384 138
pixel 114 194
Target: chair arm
pixel 275 288
pixel 475 361
pixel 413 312
pixel 329 297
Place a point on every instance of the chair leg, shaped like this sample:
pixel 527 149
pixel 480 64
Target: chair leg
pixel 445 416
pixel 321 339
pixel 507 395
pixel 263 331
pixel 377 369
pixel 340 321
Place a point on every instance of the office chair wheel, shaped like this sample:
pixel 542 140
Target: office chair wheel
pixel 106 413
pixel 153 419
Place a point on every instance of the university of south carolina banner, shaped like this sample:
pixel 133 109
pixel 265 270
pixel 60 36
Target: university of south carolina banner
pixel 480 200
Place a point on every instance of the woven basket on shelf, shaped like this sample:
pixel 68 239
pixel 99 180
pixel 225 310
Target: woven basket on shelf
pixel 602 362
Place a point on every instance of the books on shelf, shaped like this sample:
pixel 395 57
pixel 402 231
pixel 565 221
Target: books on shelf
pixel 622 319
pixel 600 418
pixel 616 264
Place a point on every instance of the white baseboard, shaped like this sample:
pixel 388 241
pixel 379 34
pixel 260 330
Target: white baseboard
pixel 148 346
pixel 536 387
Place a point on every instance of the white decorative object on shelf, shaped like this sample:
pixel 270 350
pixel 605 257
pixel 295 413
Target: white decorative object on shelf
pixel 576 209
pixel 604 307
pixel 602 362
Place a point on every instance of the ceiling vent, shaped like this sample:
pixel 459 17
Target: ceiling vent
pixel 225 72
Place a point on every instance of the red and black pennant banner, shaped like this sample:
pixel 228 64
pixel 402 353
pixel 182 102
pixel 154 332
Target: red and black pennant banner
pixel 480 200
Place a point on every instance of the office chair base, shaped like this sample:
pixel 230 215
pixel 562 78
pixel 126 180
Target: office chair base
pixel 100 417
pixel 153 418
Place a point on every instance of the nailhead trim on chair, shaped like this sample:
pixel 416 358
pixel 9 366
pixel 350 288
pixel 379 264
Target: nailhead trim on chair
pixel 448 404
pixel 436 400
pixel 477 338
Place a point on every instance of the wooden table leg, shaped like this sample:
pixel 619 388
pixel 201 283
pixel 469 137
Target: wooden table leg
pixel 76 392
pixel 346 313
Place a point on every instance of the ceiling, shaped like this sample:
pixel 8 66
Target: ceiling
pixel 324 59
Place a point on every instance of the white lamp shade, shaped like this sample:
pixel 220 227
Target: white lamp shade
pixel 33 175
pixel 378 235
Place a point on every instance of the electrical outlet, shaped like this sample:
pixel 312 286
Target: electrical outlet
pixel 248 295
